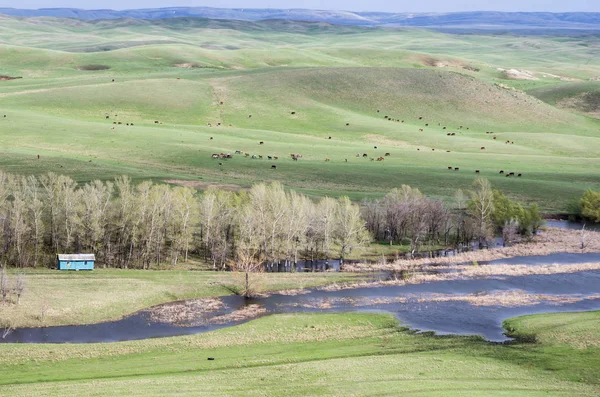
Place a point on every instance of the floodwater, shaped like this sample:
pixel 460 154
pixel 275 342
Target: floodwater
pixel 563 224
pixel 536 260
pixel 445 307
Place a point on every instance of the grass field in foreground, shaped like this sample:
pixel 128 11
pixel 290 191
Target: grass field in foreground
pixel 353 354
pixel 102 295
pixel 186 73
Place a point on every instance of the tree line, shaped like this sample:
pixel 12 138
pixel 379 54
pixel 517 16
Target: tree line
pixel 129 225
pixel 406 216
pixel 139 225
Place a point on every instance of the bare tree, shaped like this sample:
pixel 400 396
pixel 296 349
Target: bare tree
pixel 350 231
pixel 326 214
pixel 248 259
pixel 36 209
pixel 510 231
pixel 481 208
pixel 4 284
pixel 19 287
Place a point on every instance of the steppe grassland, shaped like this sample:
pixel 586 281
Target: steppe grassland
pixel 179 71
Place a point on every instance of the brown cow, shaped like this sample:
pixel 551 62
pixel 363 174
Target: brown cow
pixel 483 148
pixel 388 154
pixel 275 157
pixel 327 159
pixel 420 129
pixel 249 116
pixel 247 154
pixel 380 158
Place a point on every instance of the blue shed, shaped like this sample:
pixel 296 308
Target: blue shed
pixel 75 261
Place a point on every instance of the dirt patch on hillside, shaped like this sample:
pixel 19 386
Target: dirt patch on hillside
pixel 203 185
pixel 188 65
pixel 516 74
pixel 440 63
pixel 91 68
pixel 6 78
pixel 588 103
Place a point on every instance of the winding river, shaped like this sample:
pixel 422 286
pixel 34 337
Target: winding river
pixel 472 306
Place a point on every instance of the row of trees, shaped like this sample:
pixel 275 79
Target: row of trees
pixel 406 215
pixel 129 225
pixel 137 225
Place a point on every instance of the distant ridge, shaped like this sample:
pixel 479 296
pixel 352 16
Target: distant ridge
pixel 472 20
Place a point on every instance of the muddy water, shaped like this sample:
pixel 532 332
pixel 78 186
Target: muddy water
pixel 446 307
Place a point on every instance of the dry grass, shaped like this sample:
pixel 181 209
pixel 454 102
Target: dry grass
pixel 513 298
pixel 185 312
pixel 246 313
pixel 551 241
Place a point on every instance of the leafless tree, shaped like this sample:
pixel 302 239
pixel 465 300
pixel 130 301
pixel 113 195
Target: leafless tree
pixel 4 284
pixel 19 287
pixel 481 208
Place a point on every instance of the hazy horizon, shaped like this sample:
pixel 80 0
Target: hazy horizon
pixel 424 6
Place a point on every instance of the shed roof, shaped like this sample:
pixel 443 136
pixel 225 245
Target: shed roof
pixel 76 257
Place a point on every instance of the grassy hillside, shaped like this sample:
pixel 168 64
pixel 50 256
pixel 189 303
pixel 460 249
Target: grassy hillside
pixel 358 354
pixel 187 73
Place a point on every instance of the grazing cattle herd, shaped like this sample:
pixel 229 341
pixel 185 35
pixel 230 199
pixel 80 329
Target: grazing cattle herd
pixel 296 157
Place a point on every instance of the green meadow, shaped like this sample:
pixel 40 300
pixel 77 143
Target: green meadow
pixel 188 73
pixel 356 354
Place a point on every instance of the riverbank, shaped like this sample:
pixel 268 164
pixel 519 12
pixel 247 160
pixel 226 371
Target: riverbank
pixel 362 354
pixel 54 298
pixel 549 241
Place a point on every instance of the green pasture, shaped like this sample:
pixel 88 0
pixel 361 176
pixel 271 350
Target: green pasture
pixel 355 354
pixel 189 73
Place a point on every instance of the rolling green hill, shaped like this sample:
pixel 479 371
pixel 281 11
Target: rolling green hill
pixel 189 73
